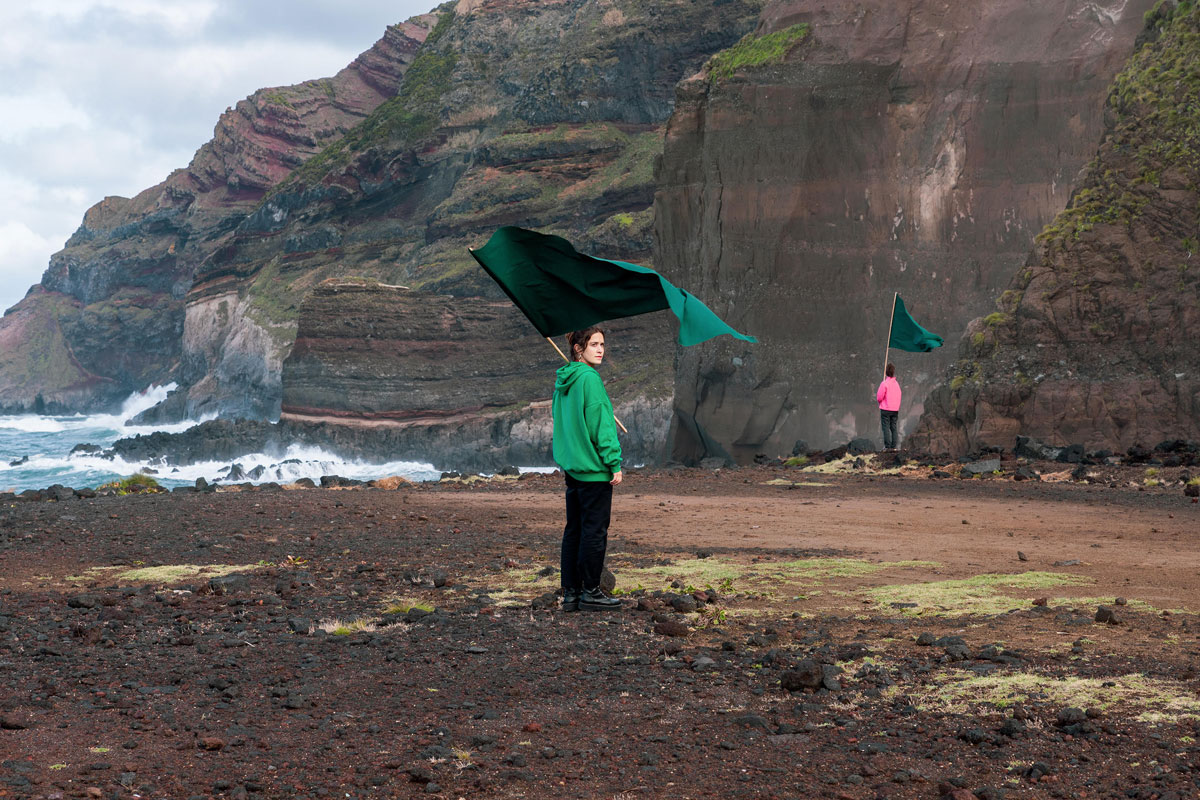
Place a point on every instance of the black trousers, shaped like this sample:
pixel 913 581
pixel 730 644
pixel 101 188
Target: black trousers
pixel 585 537
pixel 887 420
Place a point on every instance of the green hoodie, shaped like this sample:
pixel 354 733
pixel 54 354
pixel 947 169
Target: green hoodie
pixel 585 435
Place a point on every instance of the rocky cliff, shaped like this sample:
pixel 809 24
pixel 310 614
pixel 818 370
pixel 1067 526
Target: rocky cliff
pixel 1094 341
pixel 108 316
pixel 546 115
pixel 845 151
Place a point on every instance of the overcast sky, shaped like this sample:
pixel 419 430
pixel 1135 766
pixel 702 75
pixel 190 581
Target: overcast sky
pixel 106 97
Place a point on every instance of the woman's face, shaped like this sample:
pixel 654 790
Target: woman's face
pixel 593 352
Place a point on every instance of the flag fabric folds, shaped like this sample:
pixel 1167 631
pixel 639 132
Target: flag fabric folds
pixel 907 335
pixel 562 290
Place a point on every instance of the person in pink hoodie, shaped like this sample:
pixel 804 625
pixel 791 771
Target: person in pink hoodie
pixel 888 396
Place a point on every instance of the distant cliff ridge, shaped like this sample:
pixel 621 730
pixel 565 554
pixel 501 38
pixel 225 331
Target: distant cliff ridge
pixel 1094 342
pixel 850 150
pixel 108 317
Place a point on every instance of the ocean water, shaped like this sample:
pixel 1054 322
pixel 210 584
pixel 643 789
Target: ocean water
pixel 43 444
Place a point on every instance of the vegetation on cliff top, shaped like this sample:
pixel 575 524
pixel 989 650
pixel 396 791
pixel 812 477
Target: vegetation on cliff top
pixel 1156 130
pixel 409 116
pixel 756 51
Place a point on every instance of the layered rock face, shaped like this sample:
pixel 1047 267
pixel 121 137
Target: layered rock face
pixel 463 381
pixel 1094 341
pixel 110 309
pixel 545 115
pixel 915 147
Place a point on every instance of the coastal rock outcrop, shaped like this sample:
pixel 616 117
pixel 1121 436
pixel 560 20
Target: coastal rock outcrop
pixel 107 318
pixel 846 151
pixel 1093 343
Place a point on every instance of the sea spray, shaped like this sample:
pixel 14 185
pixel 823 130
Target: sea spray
pixel 35 452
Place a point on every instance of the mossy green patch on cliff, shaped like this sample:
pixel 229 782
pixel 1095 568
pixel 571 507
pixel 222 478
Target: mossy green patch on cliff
pixel 1156 133
pixel 408 117
pixel 756 51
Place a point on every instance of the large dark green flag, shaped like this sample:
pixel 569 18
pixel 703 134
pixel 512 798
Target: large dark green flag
pixel 561 290
pixel 908 335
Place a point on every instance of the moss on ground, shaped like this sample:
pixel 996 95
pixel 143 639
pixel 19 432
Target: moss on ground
pixel 166 573
pixel 981 594
pixel 1158 700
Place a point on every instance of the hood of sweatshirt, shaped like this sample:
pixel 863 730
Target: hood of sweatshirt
pixel 569 374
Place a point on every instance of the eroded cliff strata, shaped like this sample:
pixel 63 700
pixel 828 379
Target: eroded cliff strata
pixel 465 382
pixel 108 316
pixel 850 150
pixel 1094 343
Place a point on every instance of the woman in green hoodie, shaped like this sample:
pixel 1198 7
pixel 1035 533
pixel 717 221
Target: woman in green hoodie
pixel 586 447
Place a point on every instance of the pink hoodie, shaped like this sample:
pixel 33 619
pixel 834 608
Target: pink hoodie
pixel 888 395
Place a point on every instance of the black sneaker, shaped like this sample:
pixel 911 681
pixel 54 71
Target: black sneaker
pixel 570 601
pixel 596 600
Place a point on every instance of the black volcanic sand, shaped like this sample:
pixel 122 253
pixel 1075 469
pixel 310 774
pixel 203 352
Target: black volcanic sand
pixel 448 671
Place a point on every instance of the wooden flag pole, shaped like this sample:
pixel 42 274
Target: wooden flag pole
pixel 564 357
pixel 888 351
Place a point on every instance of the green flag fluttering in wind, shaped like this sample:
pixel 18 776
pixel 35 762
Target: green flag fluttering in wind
pixel 561 290
pixel 907 335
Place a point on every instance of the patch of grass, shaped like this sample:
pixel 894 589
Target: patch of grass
pixel 995 318
pixel 133 484
pixel 337 627
pixel 400 606
pixel 981 594
pixel 796 461
pixel 1161 700
pixel 174 573
pixel 756 51
pixel 727 574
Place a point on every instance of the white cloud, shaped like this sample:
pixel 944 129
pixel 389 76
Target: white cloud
pixel 23 255
pixel 106 97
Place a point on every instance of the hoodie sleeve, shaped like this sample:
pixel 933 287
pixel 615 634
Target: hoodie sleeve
pixel 602 428
pixel 881 392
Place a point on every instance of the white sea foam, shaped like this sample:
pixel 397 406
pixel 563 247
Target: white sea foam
pixel 45 442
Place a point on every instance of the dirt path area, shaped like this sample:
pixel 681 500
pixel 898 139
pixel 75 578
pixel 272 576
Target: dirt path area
pixel 782 635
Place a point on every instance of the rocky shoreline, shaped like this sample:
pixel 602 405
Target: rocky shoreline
pixel 385 643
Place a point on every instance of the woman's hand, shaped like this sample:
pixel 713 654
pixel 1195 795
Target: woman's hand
pixel 616 478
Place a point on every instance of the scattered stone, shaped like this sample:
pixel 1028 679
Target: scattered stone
pixel 299 625
pixel 1106 615
pixel 14 722
pixel 83 601
pixel 670 627
pixel 1070 562
pixel 684 604
pixel 1120 601
pixel 1021 556
pixel 984 467
pixel 807 676
pixel 212 743
pixel 608 581
pixel 1041 601
pixel 229 584
pixel 926 639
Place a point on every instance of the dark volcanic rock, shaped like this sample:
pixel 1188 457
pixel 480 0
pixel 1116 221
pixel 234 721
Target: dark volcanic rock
pixel 901 146
pixel 806 676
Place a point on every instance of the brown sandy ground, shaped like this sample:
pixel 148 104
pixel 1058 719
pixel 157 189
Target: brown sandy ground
pixel 375 643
